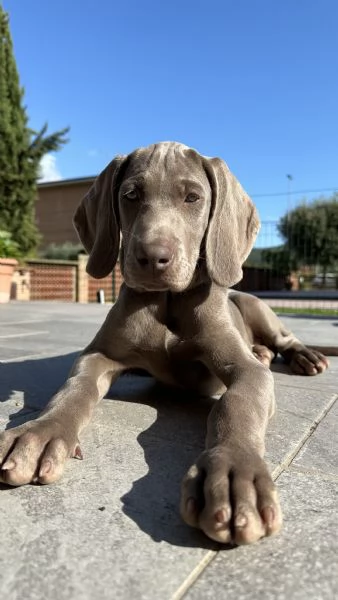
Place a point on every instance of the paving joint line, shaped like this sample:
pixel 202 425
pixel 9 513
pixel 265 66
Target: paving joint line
pixel 25 322
pixel 276 473
pixel 24 334
pixel 194 575
pixel 18 359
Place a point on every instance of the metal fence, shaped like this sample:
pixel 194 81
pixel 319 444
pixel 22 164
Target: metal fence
pixel 268 235
pixel 291 285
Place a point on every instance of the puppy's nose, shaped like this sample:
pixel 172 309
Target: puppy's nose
pixel 156 256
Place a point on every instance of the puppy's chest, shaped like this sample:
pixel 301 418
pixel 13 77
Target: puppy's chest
pixel 179 317
pixel 165 335
pixel 174 357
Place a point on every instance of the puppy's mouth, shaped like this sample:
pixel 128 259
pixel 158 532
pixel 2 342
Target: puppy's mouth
pixel 149 287
pixel 155 283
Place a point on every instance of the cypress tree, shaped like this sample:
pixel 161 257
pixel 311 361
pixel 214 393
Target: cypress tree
pixel 21 150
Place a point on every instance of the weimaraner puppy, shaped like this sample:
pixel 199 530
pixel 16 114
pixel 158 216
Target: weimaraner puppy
pixel 187 227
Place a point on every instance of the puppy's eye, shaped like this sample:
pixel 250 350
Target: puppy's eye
pixel 192 198
pixel 131 195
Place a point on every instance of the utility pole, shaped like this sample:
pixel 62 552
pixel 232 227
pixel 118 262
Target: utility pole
pixel 290 179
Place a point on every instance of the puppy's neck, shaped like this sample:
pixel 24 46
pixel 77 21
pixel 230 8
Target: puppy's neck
pixel 180 309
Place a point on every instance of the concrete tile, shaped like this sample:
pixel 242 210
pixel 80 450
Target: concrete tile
pixel 44 344
pixel 284 436
pixel 111 527
pixel 296 410
pixel 300 563
pixel 320 451
pixel 16 351
pixel 313 330
pixel 37 310
pixel 302 401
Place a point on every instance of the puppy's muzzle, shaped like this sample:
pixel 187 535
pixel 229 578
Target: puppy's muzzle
pixel 154 257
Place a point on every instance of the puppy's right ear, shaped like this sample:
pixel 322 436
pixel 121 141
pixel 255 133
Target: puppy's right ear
pixel 96 221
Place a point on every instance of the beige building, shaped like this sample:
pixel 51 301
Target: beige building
pixel 55 207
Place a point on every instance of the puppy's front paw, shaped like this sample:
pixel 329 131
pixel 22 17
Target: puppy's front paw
pixel 36 452
pixel 229 494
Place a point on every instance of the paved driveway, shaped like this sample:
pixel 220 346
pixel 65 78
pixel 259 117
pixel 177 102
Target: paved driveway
pixel 111 529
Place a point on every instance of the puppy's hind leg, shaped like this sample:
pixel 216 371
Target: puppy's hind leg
pixel 271 333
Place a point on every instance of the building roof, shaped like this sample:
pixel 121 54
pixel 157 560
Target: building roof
pixel 63 182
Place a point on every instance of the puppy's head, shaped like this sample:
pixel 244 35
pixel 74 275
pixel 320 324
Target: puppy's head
pixel 176 210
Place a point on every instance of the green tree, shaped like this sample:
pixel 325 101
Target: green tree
pixel 21 150
pixel 311 233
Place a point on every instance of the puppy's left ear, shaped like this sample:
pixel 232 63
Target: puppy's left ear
pixel 233 225
pixel 96 221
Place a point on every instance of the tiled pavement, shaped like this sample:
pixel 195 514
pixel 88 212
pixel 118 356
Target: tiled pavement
pixel 111 529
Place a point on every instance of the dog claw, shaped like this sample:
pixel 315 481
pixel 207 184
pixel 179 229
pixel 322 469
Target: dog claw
pixel 8 465
pixel 78 453
pixel 191 506
pixel 268 515
pixel 45 468
pixel 221 516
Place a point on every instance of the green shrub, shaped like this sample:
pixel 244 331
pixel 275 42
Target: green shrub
pixel 66 251
pixel 8 248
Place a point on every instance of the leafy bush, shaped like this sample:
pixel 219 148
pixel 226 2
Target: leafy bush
pixel 66 251
pixel 8 248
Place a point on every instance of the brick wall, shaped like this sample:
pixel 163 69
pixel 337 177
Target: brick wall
pixel 67 281
pixel 52 280
pixel 105 284
pixel 110 285
pixel 118 280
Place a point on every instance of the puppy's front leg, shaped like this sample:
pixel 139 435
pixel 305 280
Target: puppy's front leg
pixel 37 450
pixel 228 492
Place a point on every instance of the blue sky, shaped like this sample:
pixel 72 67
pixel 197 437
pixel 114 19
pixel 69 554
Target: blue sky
pixel 252 81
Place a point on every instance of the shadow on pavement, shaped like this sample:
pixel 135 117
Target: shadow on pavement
pixel 170 446
pixel 37 380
